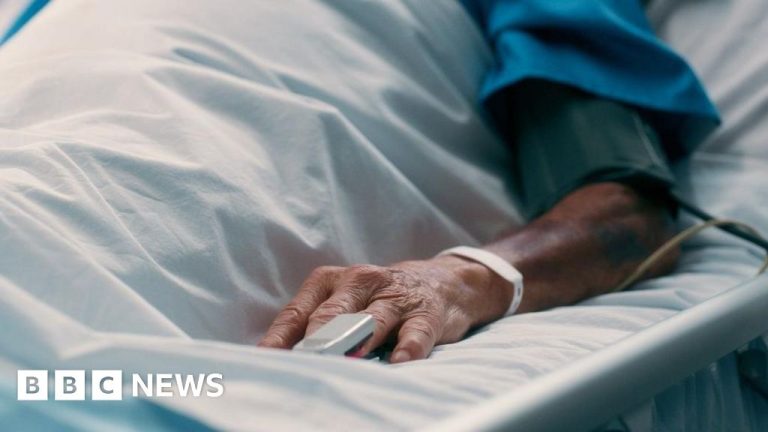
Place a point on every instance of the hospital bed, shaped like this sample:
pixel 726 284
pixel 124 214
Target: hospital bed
pixel 171 171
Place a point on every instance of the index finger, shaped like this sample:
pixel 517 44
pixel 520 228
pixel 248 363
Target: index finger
pixel 288 327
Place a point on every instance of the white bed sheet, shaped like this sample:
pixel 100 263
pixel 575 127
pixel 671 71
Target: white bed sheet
pixel 170 171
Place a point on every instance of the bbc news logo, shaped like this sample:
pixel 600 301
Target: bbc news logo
pixel 107 385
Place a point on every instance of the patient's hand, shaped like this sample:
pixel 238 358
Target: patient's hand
pixel 422 302
pixel 586 245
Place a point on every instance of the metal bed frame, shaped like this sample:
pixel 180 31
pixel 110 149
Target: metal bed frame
pixel 595 389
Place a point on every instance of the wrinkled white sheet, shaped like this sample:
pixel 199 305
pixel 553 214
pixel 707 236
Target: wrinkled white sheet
pixel 171 171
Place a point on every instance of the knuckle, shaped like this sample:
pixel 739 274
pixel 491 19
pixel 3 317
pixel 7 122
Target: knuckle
pixel 416 302
pixel 326 311
pixel 334 306
pixel 383 320
pixel 370 275
pixel 365 268
pixel 431 308
pixel 426 326
pixel 424 330
pixel 289 315
pixel 355 298
pixel 433 321
pixel 323 271
pixel 319 317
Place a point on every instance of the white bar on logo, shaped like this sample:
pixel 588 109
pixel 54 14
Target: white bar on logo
pixel 69 385
pixel 32 385
pixel 107 385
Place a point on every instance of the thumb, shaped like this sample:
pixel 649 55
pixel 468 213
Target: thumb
pixel 415 340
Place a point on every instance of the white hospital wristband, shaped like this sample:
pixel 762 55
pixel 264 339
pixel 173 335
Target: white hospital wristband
pixel 507 271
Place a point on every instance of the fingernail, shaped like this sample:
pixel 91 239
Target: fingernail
pixel 400 356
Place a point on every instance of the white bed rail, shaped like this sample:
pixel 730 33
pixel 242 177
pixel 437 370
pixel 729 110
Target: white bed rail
pixel 602 385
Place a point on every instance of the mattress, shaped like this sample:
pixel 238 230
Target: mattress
pixel 171 171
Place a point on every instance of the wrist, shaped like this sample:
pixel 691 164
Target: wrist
pixel 468 272
pixel 493 291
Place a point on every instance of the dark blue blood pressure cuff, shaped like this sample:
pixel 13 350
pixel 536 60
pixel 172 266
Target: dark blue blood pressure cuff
pixel 563 138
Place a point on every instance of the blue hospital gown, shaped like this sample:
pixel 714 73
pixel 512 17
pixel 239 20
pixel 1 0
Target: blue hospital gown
pixel 604 47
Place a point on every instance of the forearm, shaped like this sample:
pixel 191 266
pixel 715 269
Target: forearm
pixel 585 245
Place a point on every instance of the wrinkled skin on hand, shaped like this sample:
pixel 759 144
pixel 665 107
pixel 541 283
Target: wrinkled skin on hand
pixel 423 303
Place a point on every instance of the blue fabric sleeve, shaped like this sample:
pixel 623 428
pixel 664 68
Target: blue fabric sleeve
pixel 604 47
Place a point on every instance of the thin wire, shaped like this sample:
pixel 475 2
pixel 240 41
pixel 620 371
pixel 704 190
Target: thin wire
pixel 750 235
pixel 687 234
